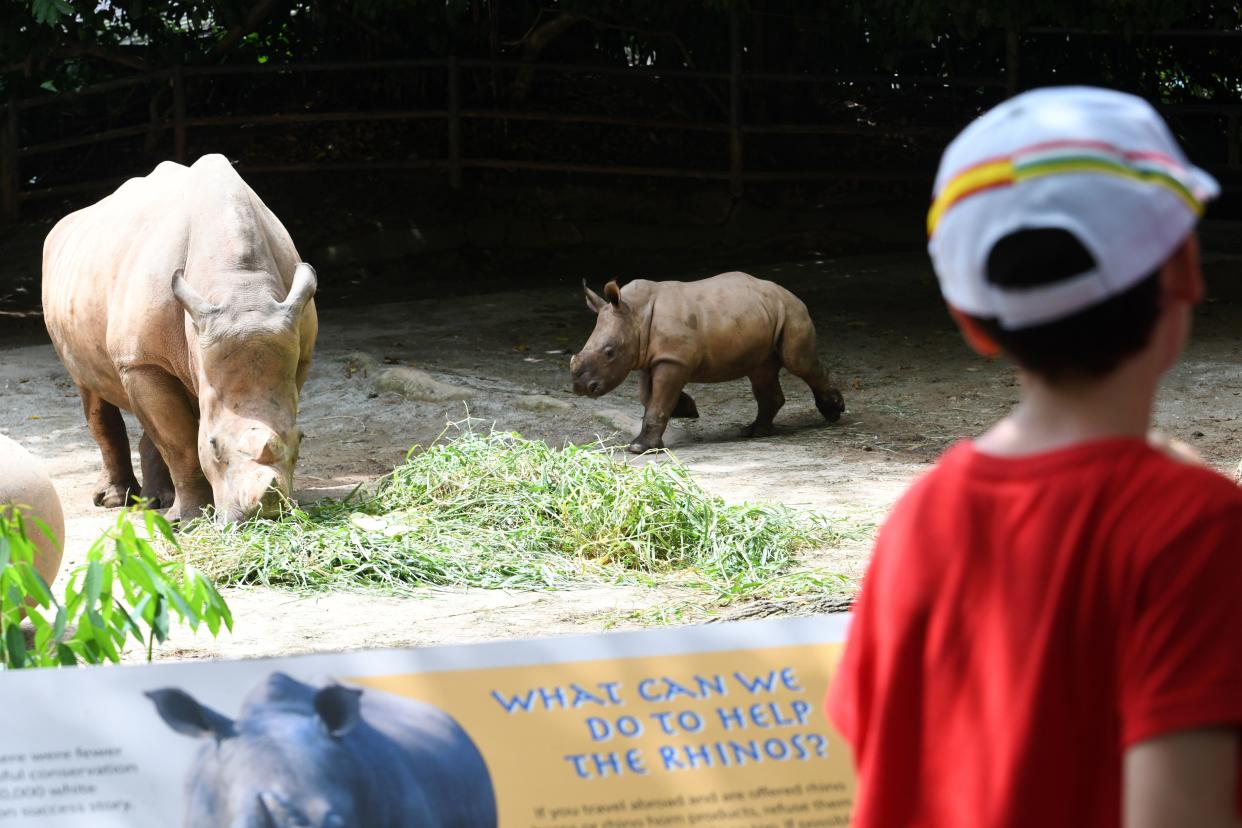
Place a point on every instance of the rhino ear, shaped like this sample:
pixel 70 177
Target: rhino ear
pixel 612 292
pixel 338 709
pixel 182 713
pixel 195 305
pixel 593 300
pixel 305 283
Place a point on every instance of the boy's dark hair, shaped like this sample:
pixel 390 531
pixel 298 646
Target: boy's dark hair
pixel 1087 345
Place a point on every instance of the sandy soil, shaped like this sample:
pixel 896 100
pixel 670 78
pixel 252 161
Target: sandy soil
pixel 910 386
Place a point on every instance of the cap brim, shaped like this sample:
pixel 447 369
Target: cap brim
pixel 1206 188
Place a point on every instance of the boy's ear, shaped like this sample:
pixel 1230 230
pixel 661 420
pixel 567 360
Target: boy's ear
pixel 975 337
pixel 1181 276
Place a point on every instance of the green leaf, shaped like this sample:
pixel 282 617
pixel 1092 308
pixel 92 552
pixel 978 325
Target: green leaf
pixel 159 624
pixel 59 625
pixel 13 595
pixel 183 608
pixel 128 623
pixel 36 587
pixel 66 656
pixel 103 637
pixel 15 645
pixel 94 583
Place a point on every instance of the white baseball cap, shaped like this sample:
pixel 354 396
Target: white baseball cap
pixel 1097 163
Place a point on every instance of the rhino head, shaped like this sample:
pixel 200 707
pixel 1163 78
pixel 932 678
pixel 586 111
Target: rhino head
pixel 248 362
pixel 277 766
pixel 613 349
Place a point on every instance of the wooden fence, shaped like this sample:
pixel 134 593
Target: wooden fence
pixel 735 172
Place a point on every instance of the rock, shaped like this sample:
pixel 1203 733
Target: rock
pixel 624 424
pixel 359 363
pixel 543 403
pixel 25 484
pixel 414 384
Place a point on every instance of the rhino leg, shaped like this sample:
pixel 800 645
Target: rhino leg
pixel 766 385
pixel 157 484
pixel 666 381
pixel 116 482
pixel 684 407
pixel 171 422
pixel 799 356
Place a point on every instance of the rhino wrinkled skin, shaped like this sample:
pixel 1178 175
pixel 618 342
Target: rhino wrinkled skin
pixel 714 330
pixel 329 756
pixel 180 297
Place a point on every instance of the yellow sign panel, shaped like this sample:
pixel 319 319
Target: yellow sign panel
pixel 734 739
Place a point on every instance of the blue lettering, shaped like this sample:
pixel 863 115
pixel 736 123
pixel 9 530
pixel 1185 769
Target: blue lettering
pixel 516 702
pixel 767 684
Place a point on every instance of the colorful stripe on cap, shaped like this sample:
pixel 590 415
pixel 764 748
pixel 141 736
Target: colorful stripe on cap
pixel 1058 158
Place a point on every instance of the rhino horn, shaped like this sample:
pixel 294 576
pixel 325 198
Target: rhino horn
pixel 195 305
pixel 186 716
pixel 305 283
pixel 278 809
pixel 593 300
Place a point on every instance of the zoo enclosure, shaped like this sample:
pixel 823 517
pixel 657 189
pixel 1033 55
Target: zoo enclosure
pixel 729 167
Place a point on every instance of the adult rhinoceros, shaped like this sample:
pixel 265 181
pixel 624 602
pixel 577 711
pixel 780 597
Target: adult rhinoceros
pixel 180 297
pixel 329 757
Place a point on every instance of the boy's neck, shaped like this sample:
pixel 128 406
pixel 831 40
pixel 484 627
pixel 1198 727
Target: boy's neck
pixel 1051 417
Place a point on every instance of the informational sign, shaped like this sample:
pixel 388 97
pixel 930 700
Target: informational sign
pixel 718 725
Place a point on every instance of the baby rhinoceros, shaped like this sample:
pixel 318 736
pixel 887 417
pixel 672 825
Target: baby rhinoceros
pixel 713 330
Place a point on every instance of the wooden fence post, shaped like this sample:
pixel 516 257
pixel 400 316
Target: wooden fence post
pixel 454 122
pixel 1011 61
pixel 9 177
pixel 178 85
pixel 735 100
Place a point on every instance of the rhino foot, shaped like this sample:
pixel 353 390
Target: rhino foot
pixel 758 429
pixel 187 506
pixel 638 447
pixel 110 495
pixel 158 497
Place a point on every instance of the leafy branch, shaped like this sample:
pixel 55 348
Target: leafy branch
pixel 123 591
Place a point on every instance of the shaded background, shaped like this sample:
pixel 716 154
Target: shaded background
pixel 425 148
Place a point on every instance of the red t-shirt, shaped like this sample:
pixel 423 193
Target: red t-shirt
pixel 1025 620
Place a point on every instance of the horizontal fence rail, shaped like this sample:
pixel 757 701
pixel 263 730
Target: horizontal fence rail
pixel 453 115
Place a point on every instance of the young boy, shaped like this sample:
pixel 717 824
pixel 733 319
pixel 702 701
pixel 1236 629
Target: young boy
pixel 1050 631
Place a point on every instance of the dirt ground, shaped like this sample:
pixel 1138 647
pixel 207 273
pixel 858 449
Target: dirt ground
pixel 910 386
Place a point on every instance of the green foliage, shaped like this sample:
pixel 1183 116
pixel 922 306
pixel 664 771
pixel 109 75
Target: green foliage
pixel 122 592
pixel 499 511
pixel 50 12
pixel 71 45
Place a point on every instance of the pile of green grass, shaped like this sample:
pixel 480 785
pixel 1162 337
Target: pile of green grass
pixel 496 510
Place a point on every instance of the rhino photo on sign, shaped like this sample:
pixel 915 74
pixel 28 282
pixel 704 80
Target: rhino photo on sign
pixel 180 297
pixel 329 756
